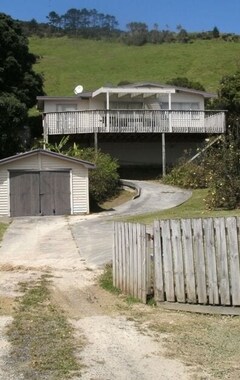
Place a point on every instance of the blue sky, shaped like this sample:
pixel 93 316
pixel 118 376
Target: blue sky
pixel 193 15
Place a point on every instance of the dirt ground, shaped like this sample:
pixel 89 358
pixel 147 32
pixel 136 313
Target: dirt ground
pixel 122 341
pixel 115 345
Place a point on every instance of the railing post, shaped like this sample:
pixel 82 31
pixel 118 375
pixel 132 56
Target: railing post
pixel 45 134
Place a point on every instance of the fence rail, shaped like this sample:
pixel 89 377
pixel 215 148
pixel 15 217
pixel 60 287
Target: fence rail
pixel 194 260
pixel 133 121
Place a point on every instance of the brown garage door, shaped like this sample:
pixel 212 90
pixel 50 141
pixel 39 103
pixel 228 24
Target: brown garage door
pixel 39 193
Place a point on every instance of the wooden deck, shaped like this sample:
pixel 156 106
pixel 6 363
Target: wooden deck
pixel 134 121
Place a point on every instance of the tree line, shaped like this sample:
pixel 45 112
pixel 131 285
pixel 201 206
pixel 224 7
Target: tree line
pixel 89 23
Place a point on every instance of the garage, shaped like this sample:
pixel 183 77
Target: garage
pixel 41 182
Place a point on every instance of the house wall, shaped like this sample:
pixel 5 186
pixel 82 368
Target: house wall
pixel 99 103
pixel 78 186
pixel 51 105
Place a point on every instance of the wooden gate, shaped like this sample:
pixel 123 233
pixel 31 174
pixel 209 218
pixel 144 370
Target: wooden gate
pixel 39 193
pixel 132 260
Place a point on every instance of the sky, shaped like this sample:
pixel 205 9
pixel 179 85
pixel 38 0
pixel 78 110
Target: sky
pixel 193 15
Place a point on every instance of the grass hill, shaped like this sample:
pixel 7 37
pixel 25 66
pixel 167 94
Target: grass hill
pixel 66 62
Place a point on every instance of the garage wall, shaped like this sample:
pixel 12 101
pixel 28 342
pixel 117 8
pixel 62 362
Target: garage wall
pixel 79 185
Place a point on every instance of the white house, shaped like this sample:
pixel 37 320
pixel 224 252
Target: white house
pixel 40 182
pixel 152 112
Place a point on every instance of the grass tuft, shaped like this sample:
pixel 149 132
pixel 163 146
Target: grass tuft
pixel 106 280
pixel 42 339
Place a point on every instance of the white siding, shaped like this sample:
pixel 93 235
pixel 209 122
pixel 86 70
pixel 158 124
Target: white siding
pixel 79 177
pixel 51 105
pixel 4 193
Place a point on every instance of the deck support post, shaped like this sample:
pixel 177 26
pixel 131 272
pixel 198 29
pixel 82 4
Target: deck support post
pixel 96 142
pixel 163 155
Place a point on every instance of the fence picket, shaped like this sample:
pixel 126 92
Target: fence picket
pixel 209 243
pixel 233 251
pixel 135 261
pixel 158 264
pixel 177 253
pixel 131 258
pixel 167 260
pixel 115 254
pixel 222 261
pixel 188 260
pixel 199 260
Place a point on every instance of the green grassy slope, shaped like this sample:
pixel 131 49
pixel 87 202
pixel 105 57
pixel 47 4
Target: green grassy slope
pixel 68 62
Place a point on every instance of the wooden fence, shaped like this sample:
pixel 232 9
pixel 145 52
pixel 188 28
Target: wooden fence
pixel 132 260
pixel 193 260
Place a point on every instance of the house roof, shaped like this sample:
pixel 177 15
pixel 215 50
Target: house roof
pixel 35 152
pixel 144 88
pixel 150 88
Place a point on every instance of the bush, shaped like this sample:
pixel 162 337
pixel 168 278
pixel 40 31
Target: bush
pixel 104 180
pixel 219 171
pixel 222 164
pixel 188 175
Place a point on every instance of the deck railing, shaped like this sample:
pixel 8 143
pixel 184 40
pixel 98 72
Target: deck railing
pixel 134 121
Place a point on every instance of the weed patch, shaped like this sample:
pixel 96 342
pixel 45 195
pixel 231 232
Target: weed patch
pixel 106 280
pixel 3 227
pixel 42 339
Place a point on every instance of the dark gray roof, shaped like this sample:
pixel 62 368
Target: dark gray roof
pixel 161 85
pixel 86 164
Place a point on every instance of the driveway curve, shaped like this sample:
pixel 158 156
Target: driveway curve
pixel 66 248
pixel 94 233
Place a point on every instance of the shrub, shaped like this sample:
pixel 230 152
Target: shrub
pixel 188 175
pixel 219 171
pixel 104 180
pixel 222 164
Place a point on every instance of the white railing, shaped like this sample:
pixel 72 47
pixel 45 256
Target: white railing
pixel 134 121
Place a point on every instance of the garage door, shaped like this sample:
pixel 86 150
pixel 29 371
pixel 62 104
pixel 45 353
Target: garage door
pixel 39 193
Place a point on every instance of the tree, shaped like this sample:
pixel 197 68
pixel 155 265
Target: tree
pixel 215 32
pixel 183 36
pixel 229 98
pixel 19 84
pixel 137 34
pixel 54 20
pixel 186 83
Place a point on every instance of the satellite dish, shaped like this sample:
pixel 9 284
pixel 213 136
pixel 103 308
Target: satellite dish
pixel 78 89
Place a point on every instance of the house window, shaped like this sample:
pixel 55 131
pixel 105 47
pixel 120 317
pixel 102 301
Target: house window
pixel 177 106
pixel 126 105
pixel 180 106
pixel 66 107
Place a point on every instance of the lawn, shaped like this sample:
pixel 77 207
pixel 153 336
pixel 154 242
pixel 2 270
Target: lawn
pixel 66 62
pixel 193 208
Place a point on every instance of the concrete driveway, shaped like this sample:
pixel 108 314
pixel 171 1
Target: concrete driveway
pixel 67 242
pixel 94 234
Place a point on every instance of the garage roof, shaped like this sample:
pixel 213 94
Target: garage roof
pixel 86 164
